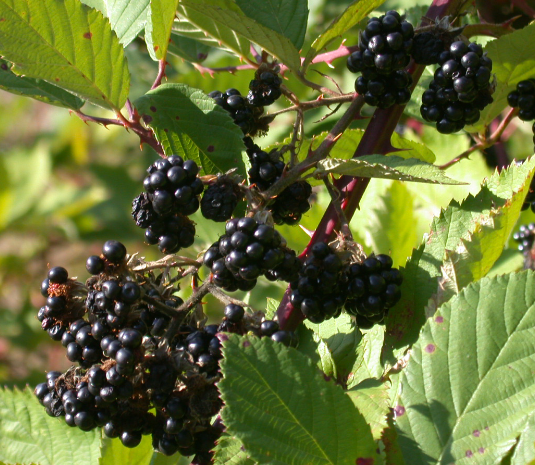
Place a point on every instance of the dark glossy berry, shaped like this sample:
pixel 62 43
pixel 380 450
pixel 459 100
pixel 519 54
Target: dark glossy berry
pixel 58 275
pixel 94 264
pixel 114 251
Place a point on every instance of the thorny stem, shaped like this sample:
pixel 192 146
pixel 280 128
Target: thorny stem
pixel 182 311
pixel 376 139
pixel 335 196
pixel 319 154
pixel 178 263
pixel 320 102
pixel 484 142
pixel 161 74
pixel 226 299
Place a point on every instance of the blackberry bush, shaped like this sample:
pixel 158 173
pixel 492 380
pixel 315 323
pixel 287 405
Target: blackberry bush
pixel 461 88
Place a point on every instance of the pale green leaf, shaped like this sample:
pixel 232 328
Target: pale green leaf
pixel 67 44
pixel 187 122
pixel 368 357
pixel 353 14
pixel 468 390
pixel 287 17
pixel 127 18
pixel 281 408
pixel 230 451
pixel 338 339
pixel 385 167
pixel 501 194
pixel 372 400
pixel 160 21
pixel 271 308
pixel 525 448
pixel 393 215
pixel 210 15
pixel 36 88
pixel 195 27
pixel 29 436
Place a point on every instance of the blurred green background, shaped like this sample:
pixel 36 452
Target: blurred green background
pixel 66 187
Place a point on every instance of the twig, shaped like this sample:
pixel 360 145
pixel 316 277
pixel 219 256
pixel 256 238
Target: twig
pixel 96 119
pixel 183 310
pixel 319 154
pixel 161 74
pixel 226 299
pixel 319 102
pixel 483 143
pixel 335 200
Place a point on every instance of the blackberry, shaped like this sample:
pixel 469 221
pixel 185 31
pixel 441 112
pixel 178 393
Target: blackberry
pixel 291 203
pixel 426 48
pixel 372 288
pixel 248 250
pixel 318 290
pixel 265 89
pixel 524 99
pixel 461 88
pixel 242 112
pixel 266 168
pixel 525 237
pixel 385 46
pixel 172 190
pixel 220 200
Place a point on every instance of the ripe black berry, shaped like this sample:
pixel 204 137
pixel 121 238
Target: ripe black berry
pixel 244 114
pixel 264 89
pixel 114 251
pixel 460 90
pixel 220 200
pixel 58 275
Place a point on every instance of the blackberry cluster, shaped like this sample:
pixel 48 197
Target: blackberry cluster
pixel 461 88
pixel 220 199
pixel 242 112
pixel 266 169
pixel 525 237
pixel 247 250
pixel 131 381
pixel 265 89
pixel 426 48
pixel 372 288
pixel 319 290
pixel 524 99
pixel 385 46
pixel 172 191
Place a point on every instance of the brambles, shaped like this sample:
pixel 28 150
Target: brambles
pixel 247 250
pixel 319 290
pixel 372 289
pixel 264 89
pixel 133 378
pixel 461 88
pixel 426 48
pixel 385 46
pixel 247 116
pixel 172 191
pixel 220 199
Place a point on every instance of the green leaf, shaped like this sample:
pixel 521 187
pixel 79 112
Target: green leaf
pixel 127 18
pixel 287 17
pixel 36 88
pixel 338 340
pixel 468 390
pixel 500 195
pixel 29 436
pixel 211 15
pixel 189 49
pixel 229 451
pixel 187 122
pixel 67 44
pixel 372 400
pixel 393 215
pixel 513 56
pixel 193 25
pixel 525 448
pixel 271 308
pixel 368 361
pixel 386 167
pixel 281 408
pixel 353 14
pixel 160 21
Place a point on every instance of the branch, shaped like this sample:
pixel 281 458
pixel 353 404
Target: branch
pixel 161 74
pixel 485 142
pixel 319 102
pixel 335 197
pixel 96 119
